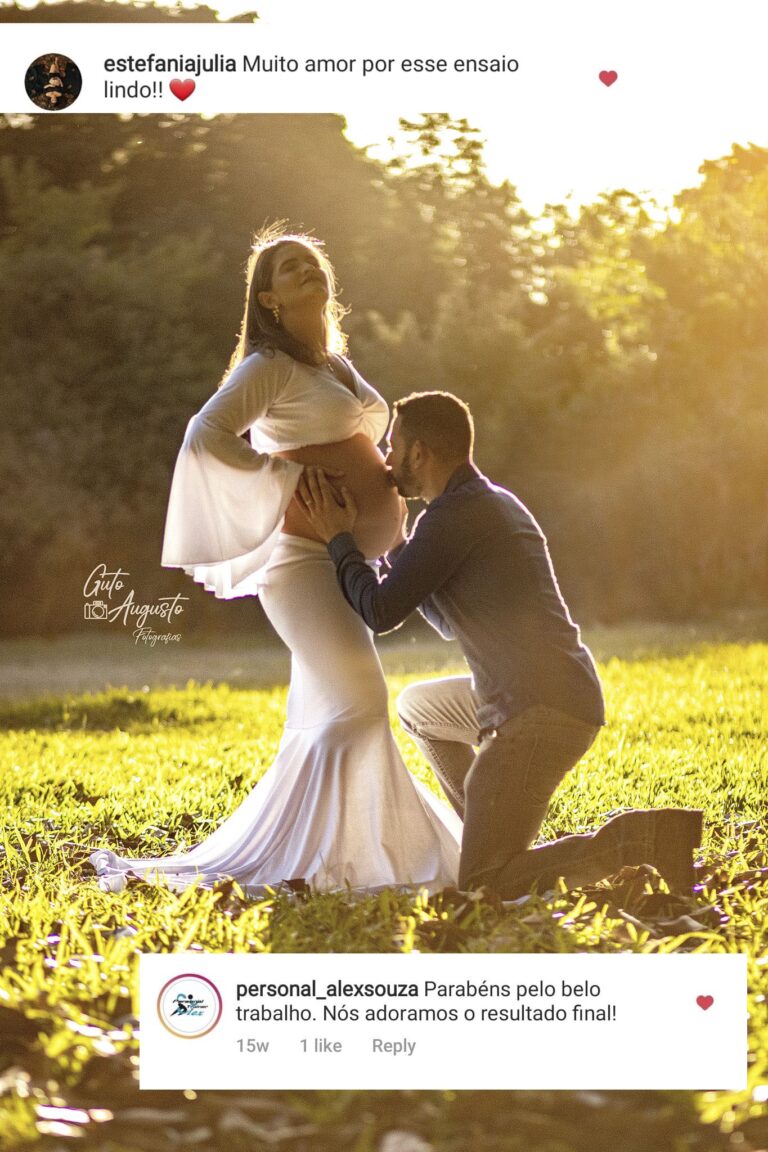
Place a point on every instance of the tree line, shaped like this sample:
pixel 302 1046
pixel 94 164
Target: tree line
pixel 615 358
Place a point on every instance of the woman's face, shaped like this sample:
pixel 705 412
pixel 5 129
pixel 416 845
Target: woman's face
pixel 297 278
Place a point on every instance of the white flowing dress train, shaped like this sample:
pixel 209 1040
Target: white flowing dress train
pixel 337 808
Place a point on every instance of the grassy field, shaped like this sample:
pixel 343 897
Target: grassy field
pixel 152 769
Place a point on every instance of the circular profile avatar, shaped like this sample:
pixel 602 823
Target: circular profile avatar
pixel 189 1006
pixel 53 82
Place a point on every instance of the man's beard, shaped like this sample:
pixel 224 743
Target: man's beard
pixel 406 482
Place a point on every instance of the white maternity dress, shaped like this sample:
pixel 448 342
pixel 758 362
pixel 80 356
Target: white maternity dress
pixel 337 807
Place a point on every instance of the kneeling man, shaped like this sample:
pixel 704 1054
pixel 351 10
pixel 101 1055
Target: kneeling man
pixel 477 567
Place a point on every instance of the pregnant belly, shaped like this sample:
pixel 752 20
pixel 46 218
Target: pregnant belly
pixel 379 509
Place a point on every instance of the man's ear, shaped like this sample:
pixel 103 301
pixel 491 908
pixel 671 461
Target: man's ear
pixel 418 452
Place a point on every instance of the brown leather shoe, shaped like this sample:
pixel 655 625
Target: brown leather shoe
pixel 663 837
pixel 677 834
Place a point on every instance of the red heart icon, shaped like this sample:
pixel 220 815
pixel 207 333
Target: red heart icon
pixel 705 1001
pixel 182 88
pixel 609 78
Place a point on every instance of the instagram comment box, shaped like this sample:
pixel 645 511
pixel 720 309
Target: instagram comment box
pixel 425 1021
pixel 305 57
pixel 276 65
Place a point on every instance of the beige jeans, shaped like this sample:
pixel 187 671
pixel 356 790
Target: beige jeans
pixel 502 789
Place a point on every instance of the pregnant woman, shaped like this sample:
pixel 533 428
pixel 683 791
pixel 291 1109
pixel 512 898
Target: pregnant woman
pixel 337 807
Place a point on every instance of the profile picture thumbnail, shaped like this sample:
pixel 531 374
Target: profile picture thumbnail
pixel 53 82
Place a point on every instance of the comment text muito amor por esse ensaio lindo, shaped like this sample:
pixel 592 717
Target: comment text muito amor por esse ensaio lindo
pixel 365 66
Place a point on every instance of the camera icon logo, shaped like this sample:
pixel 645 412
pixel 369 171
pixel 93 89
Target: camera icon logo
pixel 95 610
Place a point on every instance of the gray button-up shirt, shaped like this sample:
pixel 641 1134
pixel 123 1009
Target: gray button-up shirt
pixel 478 568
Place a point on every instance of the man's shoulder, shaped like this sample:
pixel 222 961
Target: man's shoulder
pixel 477 508
pixel 475 492
pixel 457 512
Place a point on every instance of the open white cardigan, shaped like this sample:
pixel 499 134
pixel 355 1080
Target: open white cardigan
pixel 228 499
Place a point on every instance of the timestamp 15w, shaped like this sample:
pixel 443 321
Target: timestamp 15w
pixel 319 1045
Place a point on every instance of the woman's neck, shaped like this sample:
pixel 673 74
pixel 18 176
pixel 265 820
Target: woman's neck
pixel 309 330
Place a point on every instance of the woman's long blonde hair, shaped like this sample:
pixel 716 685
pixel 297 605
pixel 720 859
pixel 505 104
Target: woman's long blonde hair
pixel 260 332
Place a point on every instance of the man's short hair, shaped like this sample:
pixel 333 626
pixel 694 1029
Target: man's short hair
pixel 440 420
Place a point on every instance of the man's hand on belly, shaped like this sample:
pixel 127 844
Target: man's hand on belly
pixel 329 510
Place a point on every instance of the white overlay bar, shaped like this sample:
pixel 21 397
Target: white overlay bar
pixel 525 60
pixel 435 1021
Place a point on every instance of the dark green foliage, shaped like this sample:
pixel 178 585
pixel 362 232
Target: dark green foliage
pixel 616 363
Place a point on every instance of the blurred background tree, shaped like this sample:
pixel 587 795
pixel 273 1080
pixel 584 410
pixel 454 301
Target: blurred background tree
pixel 615 357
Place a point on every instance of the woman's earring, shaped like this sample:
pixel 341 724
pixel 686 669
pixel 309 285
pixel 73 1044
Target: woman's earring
pixel 276 314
